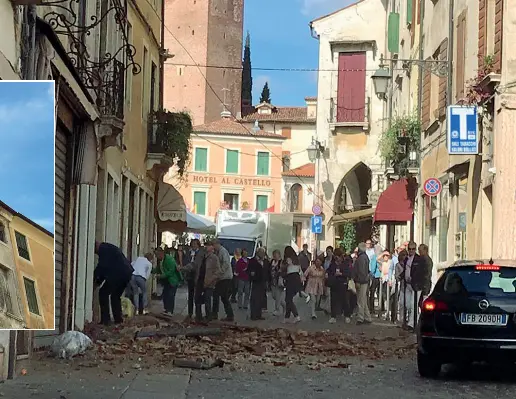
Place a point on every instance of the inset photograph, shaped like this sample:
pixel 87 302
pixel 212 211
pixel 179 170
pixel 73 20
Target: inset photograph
pixel 27 126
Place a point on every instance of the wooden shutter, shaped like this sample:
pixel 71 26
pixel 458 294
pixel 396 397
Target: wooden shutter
pixel 498 36
pixel 351 94
pixel 286 132
pixel 460 58
pixel 427 92
pixel 261 203
pixel 443 81
pixel 262 164
pixel 393 32
pixel 201 159
pixel 231 161
pixel 200 202
pixel 285 158
pixel 482 31
pixel 32 298
pixel 418 11
pixel 410 12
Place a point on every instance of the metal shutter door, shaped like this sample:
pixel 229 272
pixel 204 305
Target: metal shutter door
pixel 45 338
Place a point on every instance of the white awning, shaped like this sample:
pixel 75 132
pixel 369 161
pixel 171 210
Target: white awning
pixel 198 224
pixel 170 205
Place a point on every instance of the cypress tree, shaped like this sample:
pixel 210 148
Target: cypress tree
pixel 247 79
pixel 266 94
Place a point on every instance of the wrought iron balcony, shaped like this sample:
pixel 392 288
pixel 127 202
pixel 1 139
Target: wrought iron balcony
pixel 346 117
pixel 114 92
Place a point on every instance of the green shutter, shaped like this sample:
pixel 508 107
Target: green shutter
pixel 201 159
pixel 231 161
pixel 263 164
pixel 393 32
pixel 261 203
pixel 410 10
pixel 200 202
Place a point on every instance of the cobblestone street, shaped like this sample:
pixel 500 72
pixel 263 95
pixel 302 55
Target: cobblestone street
pixel 355 378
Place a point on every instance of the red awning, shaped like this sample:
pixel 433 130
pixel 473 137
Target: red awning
pixel 394 204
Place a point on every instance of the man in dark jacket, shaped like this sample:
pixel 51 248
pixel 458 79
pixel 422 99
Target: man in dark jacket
pixel 113 272
pixel 260 277
pixel 196 257
pixel 361 275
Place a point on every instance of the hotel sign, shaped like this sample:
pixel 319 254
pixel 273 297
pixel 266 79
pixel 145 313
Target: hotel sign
pixel 236 181
pixel 174 216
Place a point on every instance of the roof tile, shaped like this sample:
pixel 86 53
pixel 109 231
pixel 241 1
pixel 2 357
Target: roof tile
pixel 307 170
pixel 231 127
pixel 279 114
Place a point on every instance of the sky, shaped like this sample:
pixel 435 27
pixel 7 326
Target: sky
pixel 280 38
pixel 27 149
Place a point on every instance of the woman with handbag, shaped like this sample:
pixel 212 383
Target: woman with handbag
pixel 315 274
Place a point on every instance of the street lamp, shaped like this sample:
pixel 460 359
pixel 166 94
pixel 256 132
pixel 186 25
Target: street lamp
pixel 381 81
pixel 315 149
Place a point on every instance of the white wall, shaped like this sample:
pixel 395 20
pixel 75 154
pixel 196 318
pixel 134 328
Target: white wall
pixel 353 26
pixel 9 47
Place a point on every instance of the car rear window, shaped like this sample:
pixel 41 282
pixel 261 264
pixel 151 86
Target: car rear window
pixel 467 280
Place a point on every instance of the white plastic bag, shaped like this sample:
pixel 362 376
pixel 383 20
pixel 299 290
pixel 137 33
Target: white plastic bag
pixel 70 344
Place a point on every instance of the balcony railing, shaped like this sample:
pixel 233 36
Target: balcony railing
pixel 341 116
pixel 113 104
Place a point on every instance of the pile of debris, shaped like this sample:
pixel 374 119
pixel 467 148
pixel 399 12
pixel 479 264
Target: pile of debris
pixel 148 341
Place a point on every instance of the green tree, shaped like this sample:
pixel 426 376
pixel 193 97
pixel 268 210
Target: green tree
pixel 266 94
pixel 247 78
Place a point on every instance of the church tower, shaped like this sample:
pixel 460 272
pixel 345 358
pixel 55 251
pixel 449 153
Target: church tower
pixel 212 32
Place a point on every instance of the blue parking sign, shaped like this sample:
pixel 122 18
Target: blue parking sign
pixel 317 224
pixel 462 130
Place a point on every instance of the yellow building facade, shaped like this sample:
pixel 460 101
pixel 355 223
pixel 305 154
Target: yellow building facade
pixel 33 248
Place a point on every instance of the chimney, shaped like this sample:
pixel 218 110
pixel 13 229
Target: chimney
pixel 311 107
pixel 225 114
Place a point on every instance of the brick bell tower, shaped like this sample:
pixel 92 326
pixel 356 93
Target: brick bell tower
pixel 212 32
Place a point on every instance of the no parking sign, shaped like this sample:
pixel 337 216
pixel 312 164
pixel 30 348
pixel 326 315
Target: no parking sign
pixel 432 187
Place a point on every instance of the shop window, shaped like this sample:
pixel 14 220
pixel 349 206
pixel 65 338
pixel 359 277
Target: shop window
pixel 231 201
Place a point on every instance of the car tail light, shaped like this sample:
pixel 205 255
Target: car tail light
pixel 431 305
pixel 487 268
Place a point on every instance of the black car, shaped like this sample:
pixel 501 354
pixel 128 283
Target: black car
pixel 469 316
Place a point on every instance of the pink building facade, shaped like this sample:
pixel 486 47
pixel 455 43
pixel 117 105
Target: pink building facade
pixel 233 167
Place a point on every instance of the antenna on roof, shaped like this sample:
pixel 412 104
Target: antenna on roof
pixel 491 261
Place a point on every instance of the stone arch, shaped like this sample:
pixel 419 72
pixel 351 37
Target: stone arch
pixel 352 192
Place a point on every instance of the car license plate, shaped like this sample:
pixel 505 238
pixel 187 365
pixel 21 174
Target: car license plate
pixel 483 319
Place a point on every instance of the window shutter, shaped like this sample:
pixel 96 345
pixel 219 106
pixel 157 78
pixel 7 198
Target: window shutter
pixel 498 36
pixel 231 161
pixel 351 87
pixel 261 203
pixel 443 81
pixel 482 31
pixel 410 12
pixel 200 202
pixel 286 132
pixel 460 57
pixel 427 93
pixel 393 32
pixel 263 164
pixel 201 159
pixel 32 299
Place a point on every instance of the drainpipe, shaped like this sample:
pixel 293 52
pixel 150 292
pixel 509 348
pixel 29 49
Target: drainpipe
pixel 420 99
pixel 162 58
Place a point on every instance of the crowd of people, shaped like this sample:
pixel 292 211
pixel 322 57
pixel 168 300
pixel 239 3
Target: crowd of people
pixel 342 285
